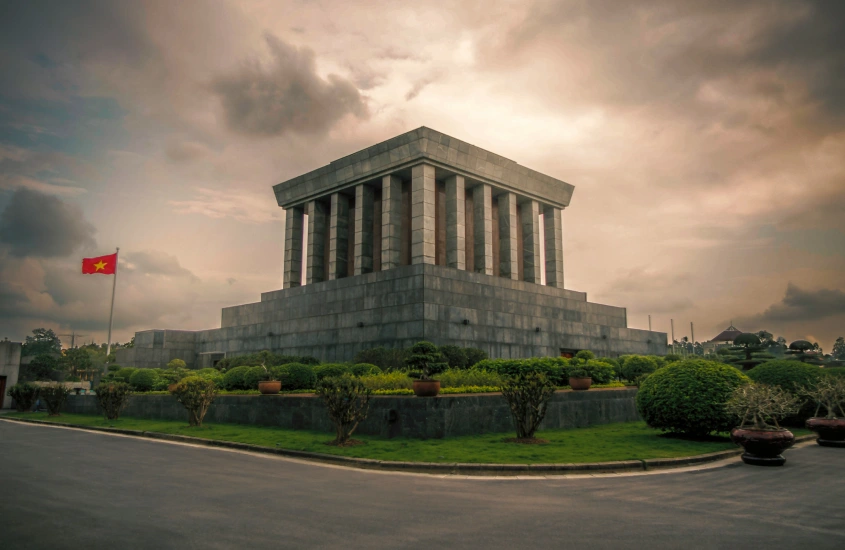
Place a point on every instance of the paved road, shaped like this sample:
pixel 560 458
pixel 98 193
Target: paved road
pixel 73 489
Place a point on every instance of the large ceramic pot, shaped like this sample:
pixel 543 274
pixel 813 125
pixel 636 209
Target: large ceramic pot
pixel 269 387
pixel 580 384
pixel 763 447
pixel 831 431
pixel 426 388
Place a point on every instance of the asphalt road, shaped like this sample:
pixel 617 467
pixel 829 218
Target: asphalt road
pixel 73 489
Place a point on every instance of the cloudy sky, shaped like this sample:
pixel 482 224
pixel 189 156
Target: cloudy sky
pixel 705 140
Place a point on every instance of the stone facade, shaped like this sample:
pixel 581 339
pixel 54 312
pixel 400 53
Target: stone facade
pixel 419 237
pixel 10 364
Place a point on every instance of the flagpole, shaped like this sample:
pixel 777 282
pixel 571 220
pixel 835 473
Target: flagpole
pixel 111 315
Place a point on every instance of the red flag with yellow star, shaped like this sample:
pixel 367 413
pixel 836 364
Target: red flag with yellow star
pixel 101 264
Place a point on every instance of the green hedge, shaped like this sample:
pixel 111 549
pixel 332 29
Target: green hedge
pixel 234 379
pixel 297 376
pixel 266 358
pixel 689 397
pixel 553 367
pixel 327 370
pixel 364 369
pixel 791 376
pixel 143 379
pixel 634 366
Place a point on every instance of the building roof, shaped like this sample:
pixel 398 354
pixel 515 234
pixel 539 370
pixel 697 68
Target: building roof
pixel 727 335
pixel 447 154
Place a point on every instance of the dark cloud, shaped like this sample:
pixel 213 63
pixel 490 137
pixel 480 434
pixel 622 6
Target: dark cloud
pixel 288 96
pixel 804 305
pixel 39 225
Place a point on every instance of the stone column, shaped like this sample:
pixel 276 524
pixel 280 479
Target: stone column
pixel 422 214
pixel 316 267
pixel 391 221
pixel 363 229
pixel 553 228
pixel 508 245
pixel 482 213
pixel 456 222
pixel 339 237
pixel 530 214
pixel 293 247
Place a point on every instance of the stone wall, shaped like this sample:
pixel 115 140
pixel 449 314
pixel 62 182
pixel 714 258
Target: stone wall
pixel 390 416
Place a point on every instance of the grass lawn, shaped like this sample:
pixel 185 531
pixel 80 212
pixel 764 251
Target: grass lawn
pixel 624 441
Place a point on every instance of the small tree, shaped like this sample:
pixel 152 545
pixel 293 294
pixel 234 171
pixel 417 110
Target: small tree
pixel 176 364
pixel 804 351
pixel 196 394
pixel 24 395
pixel 347 400
pixel 527 396
pixel 54 396
pixel 759 406
pixel 425 361
pixel 828 393
pixel 112 397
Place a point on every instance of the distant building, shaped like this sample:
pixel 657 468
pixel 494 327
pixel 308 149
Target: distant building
pixel 724 338
pixel 10 364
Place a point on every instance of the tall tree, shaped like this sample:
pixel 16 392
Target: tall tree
pixel 838 352
pixel 77 362
pixel 43 340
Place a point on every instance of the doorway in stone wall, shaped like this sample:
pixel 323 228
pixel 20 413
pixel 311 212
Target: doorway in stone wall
pixel 2 390
pixel 568 353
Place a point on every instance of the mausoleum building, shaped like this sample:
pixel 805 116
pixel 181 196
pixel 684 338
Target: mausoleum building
pixel 420 237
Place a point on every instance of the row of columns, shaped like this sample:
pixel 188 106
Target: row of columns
pixel 423 191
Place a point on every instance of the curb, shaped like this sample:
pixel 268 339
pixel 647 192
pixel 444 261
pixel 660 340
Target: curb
pixel 453 468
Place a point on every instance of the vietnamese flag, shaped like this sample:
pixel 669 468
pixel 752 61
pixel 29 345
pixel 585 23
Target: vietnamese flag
pixel 101 264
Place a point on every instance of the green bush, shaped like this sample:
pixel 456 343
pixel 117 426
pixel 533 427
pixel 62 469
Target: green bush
pixel 527 396
pixel 635 366
pixel 387 359
pixel 424 360
pixel 330 369
pixel 555 368
pixel 347 401
pixel 394 380
pixel 585 355
pixel 455 356
pixel 297 376
pixel 24 395
pixel 176 364
pixel 196 394
pixel 834 371
pixel 453 378
pixel 674 357
pixel 112 397
pixel 474 356
pixel 364 369
pixel 143 379
pixel 689 397
pixel 234 379
pixel 211 374
pixel 266 358
pixel 600 371
pixel 125 374
pixel 54 397
pixel 792 376
pixel 253 376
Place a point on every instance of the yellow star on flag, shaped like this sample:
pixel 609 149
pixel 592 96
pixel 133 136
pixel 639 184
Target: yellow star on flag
pixel 100 265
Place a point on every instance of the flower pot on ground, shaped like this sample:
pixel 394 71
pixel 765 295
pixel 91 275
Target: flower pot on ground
pixel 424 362
pixel 759 407
pixel 269 387
pixel 579 379
pixel 828 393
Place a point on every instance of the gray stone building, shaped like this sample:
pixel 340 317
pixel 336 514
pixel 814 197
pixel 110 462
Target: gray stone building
pixel 10 364
pixel 422 236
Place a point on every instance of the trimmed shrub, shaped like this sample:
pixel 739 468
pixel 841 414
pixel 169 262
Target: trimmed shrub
pixel 474 356
pixel 585 355
pixel 424 361
pixel 253 376
pixel 347 401
pixel 112 397
pixel 297 376
pixel 674 357
pixel 635 366
pixel 834 371
pixel 527 396
pixel 196 394
pixel 233 379
pixel 453 378
pixel 794 377
pixel 125 374
pixel 689 397
pixel 54 397
pixel 143 379
pixel 555 368
pixel 600 371
pixel 24 395
pixel 176 364
pixel 387 359
pixel 211 374
pixel 364 369
pixel 266 358
pixel 394 380
pixel 330 369
pixel 455 356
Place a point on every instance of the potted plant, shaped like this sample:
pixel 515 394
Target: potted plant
pixel 759 407
pixel 828 392
pixel 579 379
pixel 270 385
pixel 424 362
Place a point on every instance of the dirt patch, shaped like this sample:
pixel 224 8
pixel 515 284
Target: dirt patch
pixel 526 440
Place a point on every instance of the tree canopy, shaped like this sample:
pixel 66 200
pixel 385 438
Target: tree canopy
pixel 43 340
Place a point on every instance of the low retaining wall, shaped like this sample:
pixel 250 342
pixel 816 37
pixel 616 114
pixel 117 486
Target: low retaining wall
pixel 390 416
